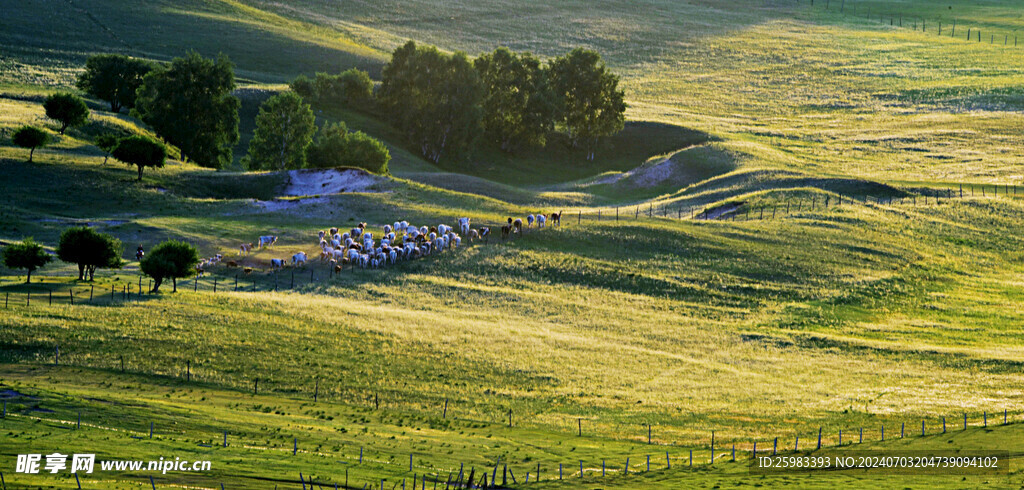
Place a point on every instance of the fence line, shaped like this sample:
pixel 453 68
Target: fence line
pixel 919 23
pixel 683 459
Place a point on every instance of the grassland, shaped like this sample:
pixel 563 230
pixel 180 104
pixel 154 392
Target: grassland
pixel 847 317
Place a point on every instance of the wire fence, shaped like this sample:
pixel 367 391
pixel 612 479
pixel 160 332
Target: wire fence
pixel 937 24
pixel 423 469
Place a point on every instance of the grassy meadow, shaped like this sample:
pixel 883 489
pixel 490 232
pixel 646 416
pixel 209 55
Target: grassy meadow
pixel 885 311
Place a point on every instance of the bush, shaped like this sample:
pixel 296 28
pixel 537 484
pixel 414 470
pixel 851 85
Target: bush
pixel 336 147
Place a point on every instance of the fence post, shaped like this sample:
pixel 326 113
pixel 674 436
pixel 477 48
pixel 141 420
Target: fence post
pixel 668 461
pixel 903 425
pixel 965 420
pixel 840 437
pixel 91 287
pixel 50 300
pixel 922 427
pixel 819 437
pixel 188 370
pixel 775 446
pixel 755 450
pixel 56 354
pixel 214 284
pixel 943 424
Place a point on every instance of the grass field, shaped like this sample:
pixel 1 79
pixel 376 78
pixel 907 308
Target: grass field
pixel 840 318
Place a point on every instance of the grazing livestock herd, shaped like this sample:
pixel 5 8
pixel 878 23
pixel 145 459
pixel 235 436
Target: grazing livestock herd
pixel 399 241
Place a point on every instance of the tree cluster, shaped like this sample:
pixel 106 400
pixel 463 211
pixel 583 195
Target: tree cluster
pixel 443 102
pixel 170 260
pixel 350 89
pixel 283 140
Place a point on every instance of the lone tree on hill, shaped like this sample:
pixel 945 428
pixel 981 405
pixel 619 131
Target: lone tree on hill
pixel 190 105
pixel 30 137
pixel 27 255
pixel 519 106
pixel 140 151
pixel 67 109
pixel 114 78
pixel 171 259
pixel 107 142
pixel 284 130
pixel 90 250
pixel 592 106
pixel 434 98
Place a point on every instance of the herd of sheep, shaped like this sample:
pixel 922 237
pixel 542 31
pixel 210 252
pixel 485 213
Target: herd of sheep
pixel 399 241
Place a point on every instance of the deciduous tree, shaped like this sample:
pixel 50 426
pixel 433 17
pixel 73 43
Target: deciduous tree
pixel 592 106
pixel 170 260
pixel 27 255
pixel 90 250
pixel 190 105
pixel 30 137
pixel 114 78
pixel 67 109
pixel 140 151
pixel 284 130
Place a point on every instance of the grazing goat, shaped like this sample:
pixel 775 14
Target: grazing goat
pixel 506 230
pixel 266 241
pixel 517 226
pixel 244 249
pixel 541 220
pixel 276 264
pixel 529 221
pixel 556 219
pixel 473 235
pixel 232 263
pixel 464 226
pixel 299 258
pixel 247 271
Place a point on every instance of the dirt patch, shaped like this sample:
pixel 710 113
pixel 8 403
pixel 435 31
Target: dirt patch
pixel 724 211
pixel 331 181
pixel 289 204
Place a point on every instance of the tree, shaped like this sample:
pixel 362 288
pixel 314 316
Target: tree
pixel 592 106
pixel 303 86
pixel 518 105
pixel 336 147
pixel 140 151
pixel 434 98
pixel 171 259
pixel 67 109
pixel 27 255
pixel 107 142
pixel 190 105
pixel 30 137
pixel 114 78
pixel 284 130
pixel 89 250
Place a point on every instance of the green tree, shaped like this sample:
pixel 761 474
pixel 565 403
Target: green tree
pixel 303 86
pixel 518 105
pixel 89 250
pixel 114 78
pixel 284 130
pixel 27 255
pixel 140 151
pixel 592 106
pixel 67 109
pixel 107 142
pixel 190 105
pixel 434 98
pixel 171 259
pixel 30 137
pixel 336 147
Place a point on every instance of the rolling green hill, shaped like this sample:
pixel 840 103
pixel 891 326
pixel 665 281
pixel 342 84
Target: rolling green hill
pixel 885 310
